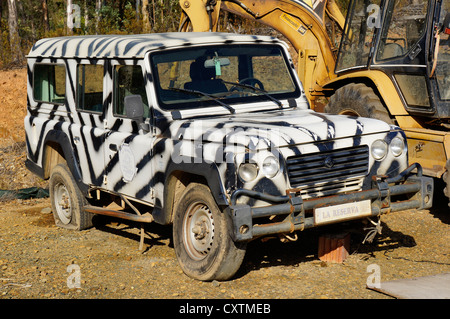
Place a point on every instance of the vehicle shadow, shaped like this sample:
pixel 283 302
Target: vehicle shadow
pixel 155 234
pixel 263 254
pixel 270 251
pixel 440 208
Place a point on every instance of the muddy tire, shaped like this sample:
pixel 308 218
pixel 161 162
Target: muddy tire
pixel 67 200
pixel 202 241
pixel 357 99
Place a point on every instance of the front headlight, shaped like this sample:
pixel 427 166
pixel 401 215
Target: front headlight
pixel 270 166
pixel 248 171
pixel 397 146
pixel 379 149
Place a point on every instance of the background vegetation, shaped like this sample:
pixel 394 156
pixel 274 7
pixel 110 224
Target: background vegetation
pixel 23 22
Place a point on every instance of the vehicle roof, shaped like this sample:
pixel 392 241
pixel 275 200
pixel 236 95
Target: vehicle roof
pixel 131 46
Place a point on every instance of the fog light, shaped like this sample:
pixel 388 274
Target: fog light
pixel 379 149
pixel 248 172
pixel 270 166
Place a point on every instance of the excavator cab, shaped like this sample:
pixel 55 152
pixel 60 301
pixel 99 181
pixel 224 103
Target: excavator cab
pixel 407 40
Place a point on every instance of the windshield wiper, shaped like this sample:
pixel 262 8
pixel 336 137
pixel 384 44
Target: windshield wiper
pixel 248 86
pixel 212 97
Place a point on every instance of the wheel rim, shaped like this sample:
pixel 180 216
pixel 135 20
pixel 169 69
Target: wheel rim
pixel 62 203
pixel 198 231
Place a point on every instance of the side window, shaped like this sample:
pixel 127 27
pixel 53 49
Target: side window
pixel 128 80
pixel 90 87
pixel 414 89
pixel 49 83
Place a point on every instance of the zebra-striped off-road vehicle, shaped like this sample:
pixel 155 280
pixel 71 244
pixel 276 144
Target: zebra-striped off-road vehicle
pixel 209 132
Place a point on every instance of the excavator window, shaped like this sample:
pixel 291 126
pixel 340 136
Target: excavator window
pixel 402 27
pixel 363 18
pixel 443 57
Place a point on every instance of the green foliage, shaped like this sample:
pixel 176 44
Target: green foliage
pixel 114 17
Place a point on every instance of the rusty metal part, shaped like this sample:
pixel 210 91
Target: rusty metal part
pixel 138 217
pixel 418 188
pixel 118 214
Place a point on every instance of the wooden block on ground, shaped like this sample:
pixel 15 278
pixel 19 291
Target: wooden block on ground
pixel 334 247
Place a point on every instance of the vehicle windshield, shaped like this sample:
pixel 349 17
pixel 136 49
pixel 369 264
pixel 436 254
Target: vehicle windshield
pixel 222 75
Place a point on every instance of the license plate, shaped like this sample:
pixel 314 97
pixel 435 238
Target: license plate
pixel 329 214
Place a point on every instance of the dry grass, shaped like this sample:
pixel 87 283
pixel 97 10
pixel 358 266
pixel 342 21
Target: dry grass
pixel 13 102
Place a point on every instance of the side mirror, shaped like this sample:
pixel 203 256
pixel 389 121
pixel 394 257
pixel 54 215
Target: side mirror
pixel 134 108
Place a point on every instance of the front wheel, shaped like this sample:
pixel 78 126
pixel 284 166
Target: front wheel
pixel 67 200
pixel 202 241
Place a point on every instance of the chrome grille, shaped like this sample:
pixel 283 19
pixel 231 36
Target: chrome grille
pixel 329 172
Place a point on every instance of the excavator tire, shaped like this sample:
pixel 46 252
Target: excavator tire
pixel 357 99
pixel 446 179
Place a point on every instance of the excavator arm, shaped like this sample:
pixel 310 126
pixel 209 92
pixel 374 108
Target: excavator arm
pixel 302 22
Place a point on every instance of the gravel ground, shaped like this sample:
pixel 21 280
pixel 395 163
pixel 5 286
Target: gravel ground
pixel 40 260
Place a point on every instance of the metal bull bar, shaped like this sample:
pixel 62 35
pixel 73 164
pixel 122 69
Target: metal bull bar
pixel 417 188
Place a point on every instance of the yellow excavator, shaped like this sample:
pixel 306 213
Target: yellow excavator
pixel 392 61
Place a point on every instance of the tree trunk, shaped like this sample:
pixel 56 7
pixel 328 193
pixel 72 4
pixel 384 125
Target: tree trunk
pixel 154 14
pixel 162 11
pixel 86 16
pixel 145 17
pixel 14 40
pixel 69 17
pixel 98 7
pixel 138 4
pixel 45 16
pixel 121 14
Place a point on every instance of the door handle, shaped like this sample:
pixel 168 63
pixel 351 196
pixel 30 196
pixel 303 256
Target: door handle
pixel 113 147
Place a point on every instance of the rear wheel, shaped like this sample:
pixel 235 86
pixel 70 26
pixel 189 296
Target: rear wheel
pixel 357 99
pixel 202 241
pixel 67 200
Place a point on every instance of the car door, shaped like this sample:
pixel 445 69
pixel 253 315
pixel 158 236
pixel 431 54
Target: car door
pixel 128 146
pixel 88 127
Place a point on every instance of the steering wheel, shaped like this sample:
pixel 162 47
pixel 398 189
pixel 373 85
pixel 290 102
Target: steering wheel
pixel 252 82
pixel 249 81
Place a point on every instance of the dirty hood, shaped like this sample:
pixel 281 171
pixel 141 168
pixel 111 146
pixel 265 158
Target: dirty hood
pixel 278 128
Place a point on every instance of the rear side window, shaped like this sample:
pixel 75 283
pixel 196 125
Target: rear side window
pixel 49 83
pixel 90 87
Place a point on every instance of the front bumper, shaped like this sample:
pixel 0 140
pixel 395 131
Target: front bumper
pixel 291 213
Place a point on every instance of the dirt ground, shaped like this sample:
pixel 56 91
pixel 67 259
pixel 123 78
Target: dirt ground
pixel 40 260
